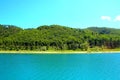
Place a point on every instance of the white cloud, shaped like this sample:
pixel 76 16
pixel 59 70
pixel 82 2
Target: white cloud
pixel 117 18
pixel 106 18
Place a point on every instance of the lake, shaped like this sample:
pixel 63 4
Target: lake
pixel 60 66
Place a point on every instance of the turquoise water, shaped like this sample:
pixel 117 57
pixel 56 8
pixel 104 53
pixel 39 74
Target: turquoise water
pixel 60 67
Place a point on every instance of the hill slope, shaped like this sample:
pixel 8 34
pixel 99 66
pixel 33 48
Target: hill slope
pixel 56 37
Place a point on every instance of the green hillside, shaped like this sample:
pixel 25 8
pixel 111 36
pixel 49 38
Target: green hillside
pixel 57 37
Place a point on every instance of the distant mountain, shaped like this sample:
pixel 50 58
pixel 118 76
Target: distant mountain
pixel 105 30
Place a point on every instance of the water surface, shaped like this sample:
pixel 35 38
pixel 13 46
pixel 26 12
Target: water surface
pixel 60 66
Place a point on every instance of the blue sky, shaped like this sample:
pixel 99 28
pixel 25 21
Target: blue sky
pixel 73 13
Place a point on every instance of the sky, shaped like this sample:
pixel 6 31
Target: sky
pixel 72 13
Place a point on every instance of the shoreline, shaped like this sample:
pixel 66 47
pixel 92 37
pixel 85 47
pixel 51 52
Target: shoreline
pixel 58 52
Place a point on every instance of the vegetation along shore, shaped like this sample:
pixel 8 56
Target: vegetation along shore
pixel 57 38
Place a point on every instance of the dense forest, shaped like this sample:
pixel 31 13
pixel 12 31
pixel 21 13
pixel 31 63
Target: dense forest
pixel 57 37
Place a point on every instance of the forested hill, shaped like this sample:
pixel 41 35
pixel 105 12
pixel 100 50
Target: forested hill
pixel 56 37
pixel 104 30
